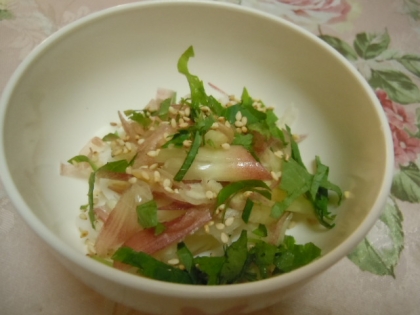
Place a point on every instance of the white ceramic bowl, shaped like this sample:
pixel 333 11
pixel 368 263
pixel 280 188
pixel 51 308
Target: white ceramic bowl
pixel 73 84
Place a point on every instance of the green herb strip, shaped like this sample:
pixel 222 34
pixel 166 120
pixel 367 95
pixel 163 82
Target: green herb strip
pixel 151 267
pixel 246 213
pixel 91 212
pixel 110 137
pixel 147 214
pixel 163 111
pixel 233 188
pixel 293 256
pixel 236 257
pixel 296 181
pixel 237 265
pixel 261 230
pixel 119 166
pixel 82 158
pixel 198 93
pixel 139 117
pixel 190 157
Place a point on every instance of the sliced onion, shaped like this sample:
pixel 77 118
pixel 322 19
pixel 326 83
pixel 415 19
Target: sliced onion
pixel 176 230
pixel 122 222
pixel 233 164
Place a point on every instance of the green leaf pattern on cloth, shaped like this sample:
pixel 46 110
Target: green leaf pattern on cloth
pixel 394 76
pixel 379 252
pixel 406 184
pixel 6 15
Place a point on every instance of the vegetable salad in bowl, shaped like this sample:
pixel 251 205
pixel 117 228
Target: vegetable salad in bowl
pixel 199 190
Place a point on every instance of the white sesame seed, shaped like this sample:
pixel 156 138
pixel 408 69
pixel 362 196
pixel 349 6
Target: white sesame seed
pixel 207 229
pixel 83 233
pixel 91 249
pixel 173 261
pixel 222 207
pixel 83 216
pixel 247 193
pixel 181 121
pixel 224 237
pixel 129 170
pixel 274 175
pixel 153 153
pixel 156 176
pixel 153 166
pixel 117 151
pixel 176 190
pixel 244 129
pixel 181 113
pixel 209 194
pixel 186 118
pixel 205 108
pixel 187 111
pixel 168 189
pixel 226 146
pixel 229 221
pixel 183 125
pixel 173 122
pixel 238 116
pixel 215 126
pixel 187 143
pixel 220 226
pixel 132 180
pixel 244 120
pixel 145 175
pixel 167 182
pixel 211 223
pixel 140 141
pixel 279 153
pixel 172 110
pixel 238 123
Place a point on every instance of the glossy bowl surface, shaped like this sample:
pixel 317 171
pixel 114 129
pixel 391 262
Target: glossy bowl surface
pixel 72 85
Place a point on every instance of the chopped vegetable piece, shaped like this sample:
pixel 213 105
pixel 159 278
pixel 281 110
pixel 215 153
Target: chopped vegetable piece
pixel 246 213
pixel 151 267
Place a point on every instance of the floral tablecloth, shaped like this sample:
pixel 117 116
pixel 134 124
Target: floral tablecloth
pixel 381 38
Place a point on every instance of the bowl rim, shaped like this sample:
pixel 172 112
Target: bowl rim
pixel 180 290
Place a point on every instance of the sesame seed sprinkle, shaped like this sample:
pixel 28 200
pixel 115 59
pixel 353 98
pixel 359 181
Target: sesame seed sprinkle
pixel 220 226
pixel 224 237
pixel 226 146
pixel 229 221
pixel 173 261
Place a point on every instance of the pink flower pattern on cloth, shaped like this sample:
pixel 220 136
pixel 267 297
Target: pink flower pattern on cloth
pixel 403 124
pixel 306 12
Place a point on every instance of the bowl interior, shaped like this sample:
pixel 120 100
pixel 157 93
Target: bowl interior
pixel 74 84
